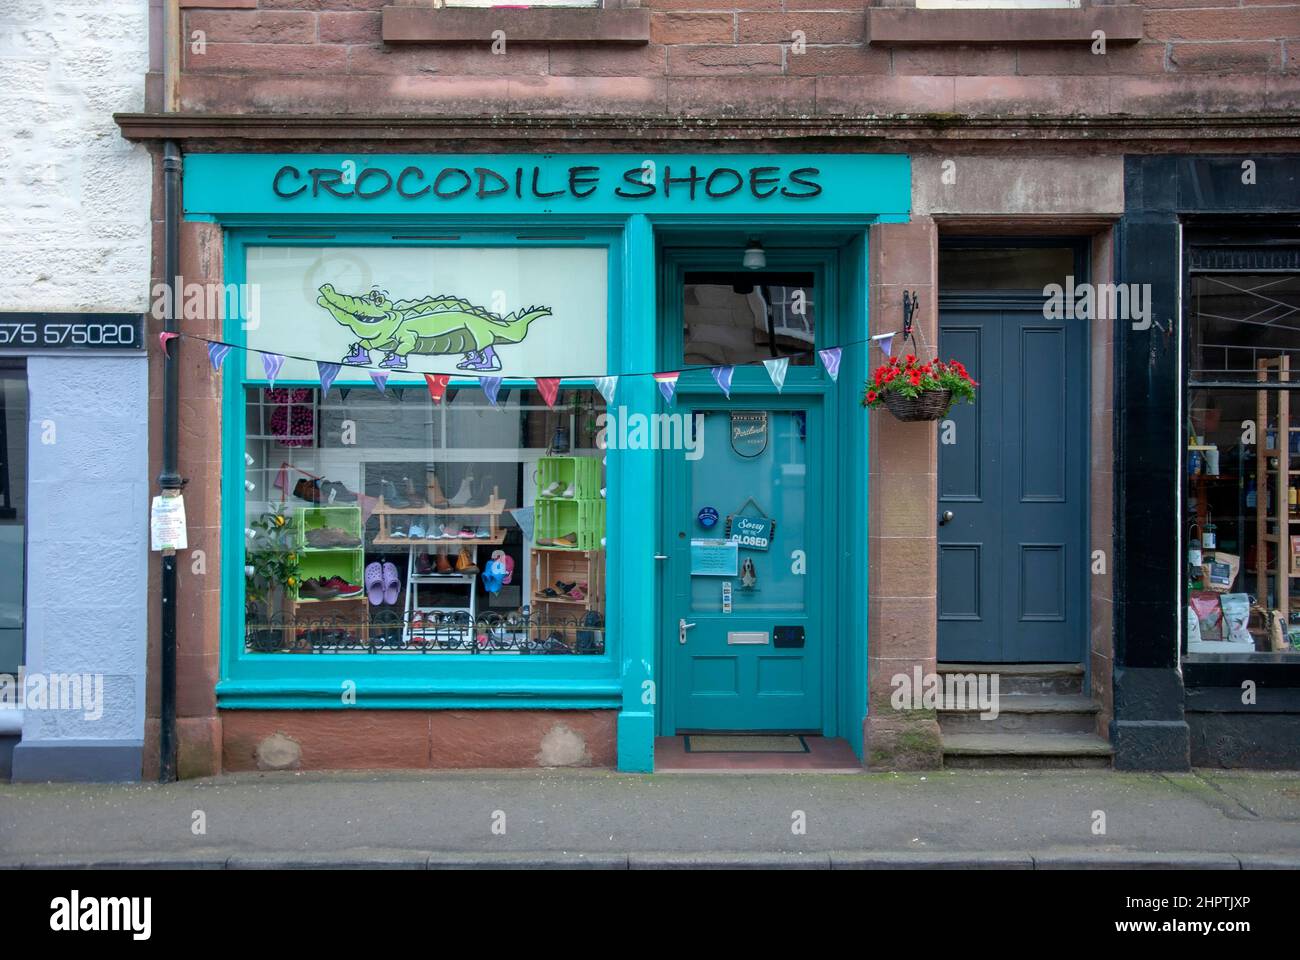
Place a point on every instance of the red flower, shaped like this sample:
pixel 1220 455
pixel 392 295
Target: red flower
pixel 871 396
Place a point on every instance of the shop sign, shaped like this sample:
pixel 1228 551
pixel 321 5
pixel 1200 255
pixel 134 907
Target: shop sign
pixel 579 184
pixel 749 432
pixel 72 331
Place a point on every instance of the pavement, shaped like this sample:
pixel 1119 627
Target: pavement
pixel 1033 819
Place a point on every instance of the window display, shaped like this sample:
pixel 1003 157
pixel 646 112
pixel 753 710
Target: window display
pixel 1242 492
pixel 394 525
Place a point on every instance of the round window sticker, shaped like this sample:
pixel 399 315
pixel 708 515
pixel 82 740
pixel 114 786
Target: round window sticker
pixel 708 517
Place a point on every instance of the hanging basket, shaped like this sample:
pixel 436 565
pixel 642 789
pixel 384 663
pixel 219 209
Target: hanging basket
pixel 929 405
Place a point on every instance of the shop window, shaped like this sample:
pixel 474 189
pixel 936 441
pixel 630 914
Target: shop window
pixel 379 520
pixel 13 510
pixel 1241 511
pixel 746 317
pixel 383 523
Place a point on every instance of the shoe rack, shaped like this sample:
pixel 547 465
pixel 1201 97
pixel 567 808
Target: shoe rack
pixel 492 511
pixel 428 637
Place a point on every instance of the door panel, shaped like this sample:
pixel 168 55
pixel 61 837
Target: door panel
pixel 730 674
pixel 1012 473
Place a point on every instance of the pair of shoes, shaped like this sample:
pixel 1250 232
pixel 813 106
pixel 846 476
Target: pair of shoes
pixel 423 564
pixel 327 588
pixel 462 496
pixel 557 489
pixel 333 491
pixel 442 564
pixel 328 538
pixel 569 541
pixel 555 644
pixel 465 562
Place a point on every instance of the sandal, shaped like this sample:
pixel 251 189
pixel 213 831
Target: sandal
pixel 375 583
pixel 392 582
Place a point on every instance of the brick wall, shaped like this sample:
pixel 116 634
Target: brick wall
pixel 722 57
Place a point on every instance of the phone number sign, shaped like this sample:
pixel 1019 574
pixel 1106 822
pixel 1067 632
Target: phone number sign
pixel 72 331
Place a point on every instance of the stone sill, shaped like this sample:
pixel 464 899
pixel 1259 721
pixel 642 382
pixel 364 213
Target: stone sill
pixel 405 24
pixel 897 26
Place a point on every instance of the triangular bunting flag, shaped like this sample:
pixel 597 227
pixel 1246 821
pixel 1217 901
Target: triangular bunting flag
pixel 831 361
pixel 607 386
pixel 667 384
pixel 380 378
pixel 327 371
pixel 217 353
pixel 437 385
pixel 491 387
pixel 271 363
pixel 549 388
pixel 776 369
pixel 165 338
pixel 885 341
pixel 722 376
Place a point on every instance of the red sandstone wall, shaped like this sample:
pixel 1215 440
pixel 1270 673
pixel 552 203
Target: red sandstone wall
pixel 718 57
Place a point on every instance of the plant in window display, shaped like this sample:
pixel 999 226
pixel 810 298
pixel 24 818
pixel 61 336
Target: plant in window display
pixel 272 562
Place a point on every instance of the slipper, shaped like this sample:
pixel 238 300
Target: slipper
pixel 392 583
pixel 577 594
pixel 375 583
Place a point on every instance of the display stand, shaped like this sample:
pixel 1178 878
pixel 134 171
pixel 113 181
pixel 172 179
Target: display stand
pixel 445 632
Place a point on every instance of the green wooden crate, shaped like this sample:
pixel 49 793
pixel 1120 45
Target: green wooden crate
pixel 581 474
pixel 560 517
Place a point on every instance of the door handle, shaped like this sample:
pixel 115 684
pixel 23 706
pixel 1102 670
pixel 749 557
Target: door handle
pixel 682 627
pixel 945 517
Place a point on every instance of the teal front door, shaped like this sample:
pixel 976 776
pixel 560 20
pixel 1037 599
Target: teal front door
pixel 743 630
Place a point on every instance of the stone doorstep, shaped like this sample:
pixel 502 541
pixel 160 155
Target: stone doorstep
pixel 1035 703
pixel 1015 669
pixel 1026 745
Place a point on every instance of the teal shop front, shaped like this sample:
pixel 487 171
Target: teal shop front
pixel 500 450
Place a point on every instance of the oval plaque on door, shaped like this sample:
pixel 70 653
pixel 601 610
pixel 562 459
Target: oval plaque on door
pixel 749 432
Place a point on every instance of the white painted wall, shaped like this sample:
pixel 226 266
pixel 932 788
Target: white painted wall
pixel 75 235
pixel 74 196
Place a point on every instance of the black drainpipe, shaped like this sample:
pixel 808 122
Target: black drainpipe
pixel 170 479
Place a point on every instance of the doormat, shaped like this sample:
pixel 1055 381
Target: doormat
pixel 746 744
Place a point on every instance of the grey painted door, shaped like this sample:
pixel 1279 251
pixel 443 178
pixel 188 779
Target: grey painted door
pixel 1012 559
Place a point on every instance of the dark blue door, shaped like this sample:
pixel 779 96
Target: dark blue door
pixel 1012 471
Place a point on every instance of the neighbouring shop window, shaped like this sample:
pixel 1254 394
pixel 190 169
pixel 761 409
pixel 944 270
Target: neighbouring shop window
pixel 1241 510
pixel 381 521
pixel 13 511
pixel 732 318
pixel 973 268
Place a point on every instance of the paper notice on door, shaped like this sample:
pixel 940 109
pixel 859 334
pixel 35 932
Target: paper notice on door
pixel 714 558
pixel 167 523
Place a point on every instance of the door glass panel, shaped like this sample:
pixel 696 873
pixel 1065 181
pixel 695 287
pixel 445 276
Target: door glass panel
pixel 746 316
pixel 775 476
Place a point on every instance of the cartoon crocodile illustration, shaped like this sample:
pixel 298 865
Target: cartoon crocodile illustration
pixel 431 326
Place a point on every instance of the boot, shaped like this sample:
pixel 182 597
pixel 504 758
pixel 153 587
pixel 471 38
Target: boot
pixel 465 563
pixel 462 496
pixel 442 564
pixel 436 498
